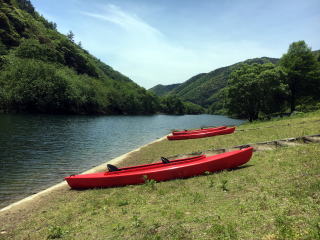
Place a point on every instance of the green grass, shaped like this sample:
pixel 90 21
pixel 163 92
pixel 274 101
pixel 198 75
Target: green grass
pixel 298 125
pixel 275 196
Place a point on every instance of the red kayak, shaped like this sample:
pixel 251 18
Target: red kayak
pixel 162 172
pixel 197 130
pixel 202 134
pixel 157 164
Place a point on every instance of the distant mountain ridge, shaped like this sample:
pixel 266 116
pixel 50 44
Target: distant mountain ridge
pixel 203 88
pixel 161 90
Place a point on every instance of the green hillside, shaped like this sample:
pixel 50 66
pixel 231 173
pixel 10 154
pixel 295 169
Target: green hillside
pixel 42 70
pixel 209 89
pixel 203 88
pixel 161 90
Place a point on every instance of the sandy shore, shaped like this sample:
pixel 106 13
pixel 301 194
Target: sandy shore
pixel 63 186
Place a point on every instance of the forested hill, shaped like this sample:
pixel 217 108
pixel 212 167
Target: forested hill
pixel 203 88
pixel 42 70
pixel 260 87
pixel 161 90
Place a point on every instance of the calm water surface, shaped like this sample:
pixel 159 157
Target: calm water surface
pixel 37 151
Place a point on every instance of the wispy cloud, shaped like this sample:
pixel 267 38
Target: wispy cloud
pixel 165 42
pixel 146 55
pixel 130 22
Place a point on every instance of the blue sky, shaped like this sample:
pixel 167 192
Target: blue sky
pixel 169 41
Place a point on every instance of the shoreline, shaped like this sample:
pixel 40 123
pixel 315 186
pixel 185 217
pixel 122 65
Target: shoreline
pixel 64 184
pixel 248 201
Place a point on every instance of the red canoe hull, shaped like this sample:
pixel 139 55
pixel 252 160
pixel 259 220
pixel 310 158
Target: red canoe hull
pixel 162 173
pixel 198 130
pixel 160 164
pixel 201 135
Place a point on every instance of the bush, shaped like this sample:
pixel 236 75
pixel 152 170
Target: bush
pixel 33 86
pixel 191 108
pixel 75 59
pixel 172 105
pixel 31 48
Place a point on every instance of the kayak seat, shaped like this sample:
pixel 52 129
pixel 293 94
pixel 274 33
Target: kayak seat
pixel 112 168
pixel 165 160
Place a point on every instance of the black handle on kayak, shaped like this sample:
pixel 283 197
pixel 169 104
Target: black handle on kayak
pixel 112 168
pixel 165 160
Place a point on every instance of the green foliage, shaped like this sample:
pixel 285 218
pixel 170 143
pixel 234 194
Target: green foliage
pixel 274 90
pixel 56 232
pixel 47 24
pixel 44 71
pixel 303 72
pixel 307 104
pixel 32 86
pixel 224 185
pixel 4 22
pixel 161 90
pixel 70 36
pixel 223 231
pixel 122 203
pixel 150 183
pixel 74 58
pixel 172 105
pixel 3 49
pixel 8 35
pixel 256 89
pixel 218 105
pixel 26 5
pixel 31 48
pixel 192 108
pixel 209 89
pixel 202 88
pixel 283 225
pixel 124 100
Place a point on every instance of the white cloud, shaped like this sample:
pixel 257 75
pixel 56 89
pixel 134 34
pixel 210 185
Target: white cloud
pixel 129 22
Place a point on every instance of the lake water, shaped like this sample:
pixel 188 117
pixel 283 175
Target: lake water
pixel 37 151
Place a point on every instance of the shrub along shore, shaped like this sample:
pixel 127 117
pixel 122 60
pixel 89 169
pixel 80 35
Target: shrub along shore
pixel 274 196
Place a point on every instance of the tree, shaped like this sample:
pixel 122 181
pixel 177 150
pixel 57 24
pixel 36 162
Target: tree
pixel 3 49
pixel 33 86
pixel 300 64
pixel 172 105
pixel 274 90
pixel 26 5
pixel 31 48
pixel 192 108
pixel 256 89
pixel 70 36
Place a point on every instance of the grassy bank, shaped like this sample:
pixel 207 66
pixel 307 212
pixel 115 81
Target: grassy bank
pixel 275 196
